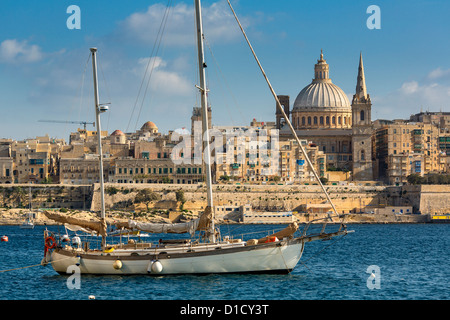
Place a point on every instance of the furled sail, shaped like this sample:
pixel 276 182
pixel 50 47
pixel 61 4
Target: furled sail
pixel 98 226
pixel 200 224
pixel 186 227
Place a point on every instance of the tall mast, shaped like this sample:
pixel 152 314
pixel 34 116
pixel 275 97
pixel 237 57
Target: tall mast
pixel 99 136
pixel 204 104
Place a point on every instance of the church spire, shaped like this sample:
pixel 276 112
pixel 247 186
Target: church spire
pixel 361 90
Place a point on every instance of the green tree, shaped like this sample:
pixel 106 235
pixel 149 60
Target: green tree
pixel 179 195
pixel 18 196
pixel 323 180
pixel 415 179
pixel 146 196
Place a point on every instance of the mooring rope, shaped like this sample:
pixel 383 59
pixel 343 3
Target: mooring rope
pixel 34 265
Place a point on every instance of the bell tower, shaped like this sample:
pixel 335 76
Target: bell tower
pixel 361 129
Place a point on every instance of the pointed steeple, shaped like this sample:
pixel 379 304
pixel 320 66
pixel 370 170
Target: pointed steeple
pixel 361 90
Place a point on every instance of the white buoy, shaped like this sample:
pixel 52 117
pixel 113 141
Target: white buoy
pixel 91 297
pixel 157 267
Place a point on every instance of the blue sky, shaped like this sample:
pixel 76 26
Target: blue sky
pixel 44 72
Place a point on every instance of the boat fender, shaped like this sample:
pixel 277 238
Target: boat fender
pixel 65 238
pixel 155 266
pixel 78 261
pixel 117 264
pixel 4 239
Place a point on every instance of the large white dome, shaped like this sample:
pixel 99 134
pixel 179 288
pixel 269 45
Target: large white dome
pixel 321 94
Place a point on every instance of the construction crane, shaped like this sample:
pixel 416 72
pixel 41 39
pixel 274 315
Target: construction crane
pixel 84 123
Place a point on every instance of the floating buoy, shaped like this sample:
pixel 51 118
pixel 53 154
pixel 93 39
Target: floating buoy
pixel 91 297
pixel 117 264
pixel 65 238
pixel 4 239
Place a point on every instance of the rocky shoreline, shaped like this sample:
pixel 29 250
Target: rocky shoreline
pixel 18 216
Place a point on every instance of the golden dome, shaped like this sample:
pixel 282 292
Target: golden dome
pixel 149 126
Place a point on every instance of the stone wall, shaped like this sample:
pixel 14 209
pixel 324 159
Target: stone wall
pixel 425 199
pixel 428 199
pixel 262 198
pixel 46 196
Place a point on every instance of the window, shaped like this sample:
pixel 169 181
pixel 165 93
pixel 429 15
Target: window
pixel 361 116
pixel 328 120
pixel 333 120
pixel 363 155
pixel 309 120
pixel 315 120
pixel 303 121
pixel 321 120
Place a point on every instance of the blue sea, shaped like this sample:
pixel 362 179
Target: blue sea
pixel 375 262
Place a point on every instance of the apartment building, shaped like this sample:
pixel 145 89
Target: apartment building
pixel 404 148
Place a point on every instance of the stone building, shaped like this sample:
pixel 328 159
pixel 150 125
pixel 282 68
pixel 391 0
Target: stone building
pixel 322 114
pixel 404 148
pixel 36 160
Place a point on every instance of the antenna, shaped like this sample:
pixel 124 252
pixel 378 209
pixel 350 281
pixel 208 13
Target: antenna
pixel 84 123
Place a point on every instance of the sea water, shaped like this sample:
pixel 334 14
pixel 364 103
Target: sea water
pixel 375 262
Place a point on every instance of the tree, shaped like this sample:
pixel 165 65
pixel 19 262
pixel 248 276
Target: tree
pixel 415 179
pixel 146 196
pixel 179 195
pixel 323 180
pixel 18 196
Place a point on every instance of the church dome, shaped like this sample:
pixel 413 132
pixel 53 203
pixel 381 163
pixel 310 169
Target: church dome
pixel 149 126
pixel 321 94
pixel 118 133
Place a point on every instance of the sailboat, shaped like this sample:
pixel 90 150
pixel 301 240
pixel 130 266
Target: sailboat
pixel 28 223
pixel 279 252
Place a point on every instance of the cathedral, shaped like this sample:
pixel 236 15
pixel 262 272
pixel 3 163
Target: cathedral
pixel 323 115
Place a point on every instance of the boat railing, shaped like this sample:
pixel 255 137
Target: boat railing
pixel 322 227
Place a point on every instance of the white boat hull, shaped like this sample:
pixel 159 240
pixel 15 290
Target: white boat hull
pixel 279 257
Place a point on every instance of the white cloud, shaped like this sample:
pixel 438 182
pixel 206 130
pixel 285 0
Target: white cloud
pixel 409 87
pixel 163 80
pixel 179 30
pixel 412 97
pixel 14 51
pixel 439 74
